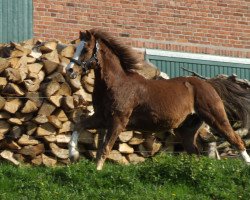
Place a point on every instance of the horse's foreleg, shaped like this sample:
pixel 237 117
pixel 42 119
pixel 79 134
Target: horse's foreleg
pixel 119 123
pixel 92 122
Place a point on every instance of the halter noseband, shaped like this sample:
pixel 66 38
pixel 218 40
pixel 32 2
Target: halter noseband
pixel 86 65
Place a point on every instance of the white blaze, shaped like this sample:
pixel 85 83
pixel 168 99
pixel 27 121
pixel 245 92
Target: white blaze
pixel 77 54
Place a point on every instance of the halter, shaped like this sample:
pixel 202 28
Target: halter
pixel 86 65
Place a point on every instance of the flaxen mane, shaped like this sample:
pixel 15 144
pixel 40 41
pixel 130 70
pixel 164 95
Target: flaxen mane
pixel 128 58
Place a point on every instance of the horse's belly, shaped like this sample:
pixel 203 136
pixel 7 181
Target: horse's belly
pixel 146 121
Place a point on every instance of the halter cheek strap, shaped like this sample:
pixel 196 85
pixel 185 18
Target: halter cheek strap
pixel 86 65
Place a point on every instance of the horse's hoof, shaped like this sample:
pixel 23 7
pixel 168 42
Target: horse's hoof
pixel 74 156
pixel 99 165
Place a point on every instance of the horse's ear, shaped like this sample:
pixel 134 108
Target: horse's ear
pixel 81 35
pixel 88 35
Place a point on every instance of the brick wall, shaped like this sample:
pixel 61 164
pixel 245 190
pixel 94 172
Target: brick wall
pixel 219 27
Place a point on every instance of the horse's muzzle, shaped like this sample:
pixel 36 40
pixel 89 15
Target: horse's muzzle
pixel 70 72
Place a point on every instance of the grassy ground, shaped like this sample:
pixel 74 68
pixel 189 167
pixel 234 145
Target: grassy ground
pixel 163 177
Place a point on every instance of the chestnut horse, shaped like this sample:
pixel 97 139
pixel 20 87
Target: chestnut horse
pixel 123 99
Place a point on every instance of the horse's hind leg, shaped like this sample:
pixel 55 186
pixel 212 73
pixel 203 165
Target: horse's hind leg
pixel 215 116
pixel 188 134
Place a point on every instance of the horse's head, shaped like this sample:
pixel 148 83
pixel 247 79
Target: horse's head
pixel 85 56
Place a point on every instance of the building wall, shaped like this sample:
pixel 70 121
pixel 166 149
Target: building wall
pixel 215 27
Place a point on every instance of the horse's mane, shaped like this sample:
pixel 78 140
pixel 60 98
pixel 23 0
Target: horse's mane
pixel 126 55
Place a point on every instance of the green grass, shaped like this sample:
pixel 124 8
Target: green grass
pixel 163 177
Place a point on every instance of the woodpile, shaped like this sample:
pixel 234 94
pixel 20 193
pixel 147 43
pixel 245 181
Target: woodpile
pixel 39 106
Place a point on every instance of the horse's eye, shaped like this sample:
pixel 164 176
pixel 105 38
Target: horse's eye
pixel 85 50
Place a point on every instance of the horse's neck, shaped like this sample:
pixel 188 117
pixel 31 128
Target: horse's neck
pixel 111 71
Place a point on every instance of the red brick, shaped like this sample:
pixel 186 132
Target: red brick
pixel 224 25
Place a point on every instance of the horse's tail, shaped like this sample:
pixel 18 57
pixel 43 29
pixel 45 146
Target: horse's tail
pixel 236 100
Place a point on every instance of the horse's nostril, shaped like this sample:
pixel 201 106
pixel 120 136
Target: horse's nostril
pixel 70 70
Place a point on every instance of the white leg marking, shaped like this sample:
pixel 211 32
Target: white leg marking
pixel 245 156
pixel 73 151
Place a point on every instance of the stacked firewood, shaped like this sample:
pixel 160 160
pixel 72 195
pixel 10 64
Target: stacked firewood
pixel 40 105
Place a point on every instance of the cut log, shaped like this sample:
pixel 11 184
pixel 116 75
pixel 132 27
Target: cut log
pixel 24 117
pixel 59 152
pixel 32 85
pixel 41 75
pixel 86 96
pixel 64 139
pixel 51 88
pixel 46 129
pixel 16 132
pixel 60 114
pixel 56 76
pixel 18 47
pixel 88 88
pixel 37 160
pixel 88 80
pixel 48 161
pixel 35 97
pixel 5 115
pixel 55 121
pixel 31 60
pixel 30 128
pixel 64 90
pixel 75 83
pixel 11 145
pixel 46 109
pixel 19 157
pixel 152 145
pixel 27 140
pixel 4 64
pixel 15 121
pixel 50 138
pixel 21 64
pixel 17 54
pixel 32 150
pixel 3 82
pixel 66 127
pixel 136 139
pixel 68 51
pixel 14 62
pixel 4 127
pixel 12 105
pixel 35 67
pixel 2 102
pixel 135 159
pixel 13 75
pixel 48 47
pixel 29 107
pixel 68 103
pixel 125 148
pixel 35 53
pixel 50 66
pixel 12 89
pixel 40 119
pixel 117 157
pixel 56 100
pixel 8 155
pixel 125 136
